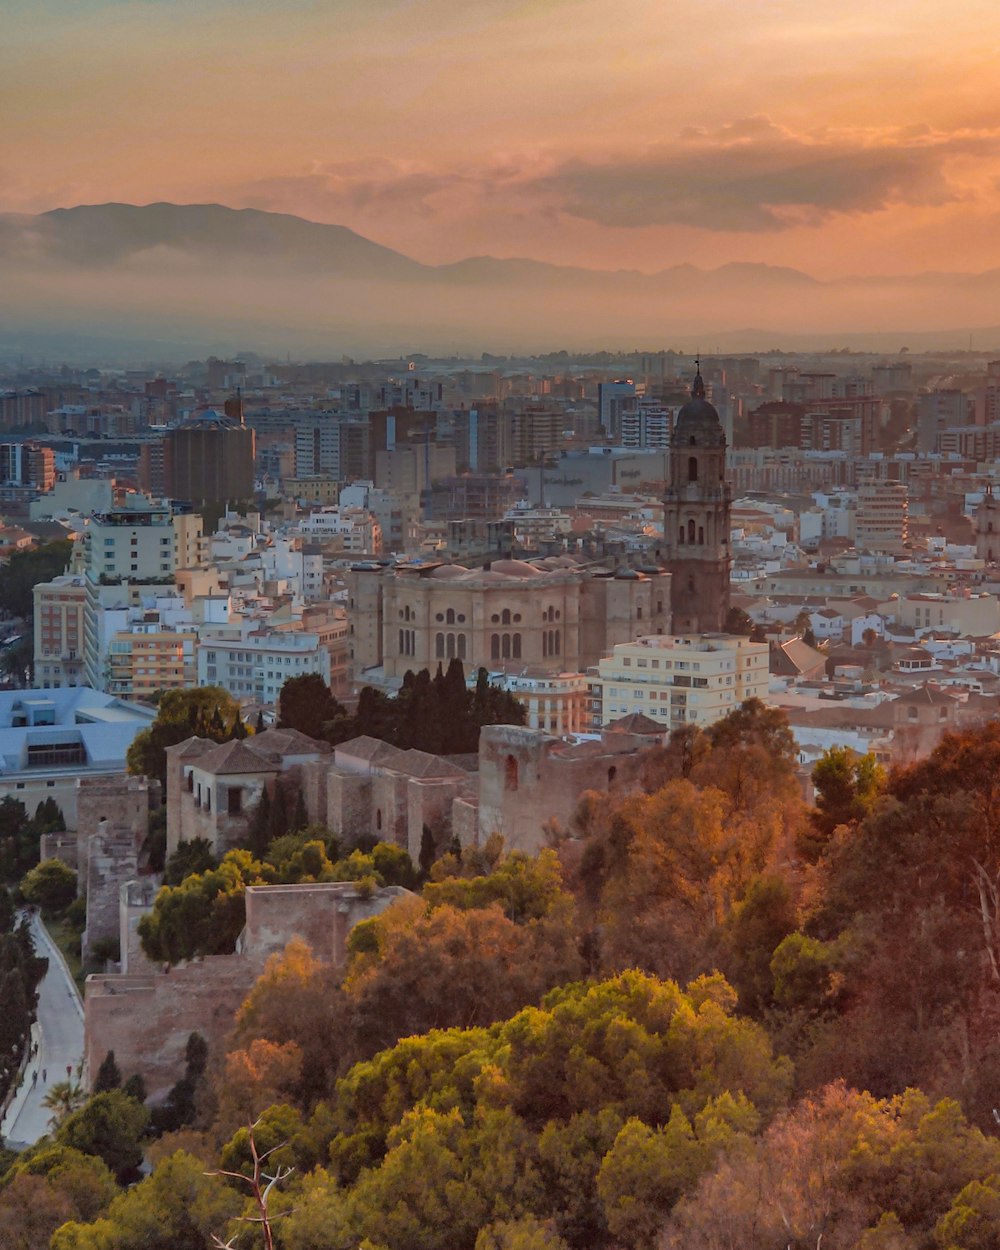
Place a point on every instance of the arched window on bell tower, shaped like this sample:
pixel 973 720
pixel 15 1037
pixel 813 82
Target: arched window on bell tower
pixel 692 468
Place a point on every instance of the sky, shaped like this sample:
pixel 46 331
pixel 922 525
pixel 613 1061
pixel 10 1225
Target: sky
pixel 840 139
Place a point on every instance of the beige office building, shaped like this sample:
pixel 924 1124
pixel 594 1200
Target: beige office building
pixel 678 681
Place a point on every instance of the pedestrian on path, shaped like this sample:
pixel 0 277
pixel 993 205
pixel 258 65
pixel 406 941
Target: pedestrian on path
pixel 45 1075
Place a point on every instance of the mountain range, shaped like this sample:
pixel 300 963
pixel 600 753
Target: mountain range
pixel 171 278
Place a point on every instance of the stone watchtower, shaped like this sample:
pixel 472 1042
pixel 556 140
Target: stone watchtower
pixel 988 528
pixel 696 517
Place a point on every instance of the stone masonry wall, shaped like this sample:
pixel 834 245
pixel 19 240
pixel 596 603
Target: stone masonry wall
pixel 146 1019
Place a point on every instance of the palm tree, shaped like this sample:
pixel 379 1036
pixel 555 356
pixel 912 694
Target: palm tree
pixel 62 1099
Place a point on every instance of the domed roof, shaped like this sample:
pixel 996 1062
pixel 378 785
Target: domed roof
pixel 698 423
pixel 448 571
pixel 515 568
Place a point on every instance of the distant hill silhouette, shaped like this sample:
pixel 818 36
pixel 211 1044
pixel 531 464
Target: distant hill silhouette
pixel 181 274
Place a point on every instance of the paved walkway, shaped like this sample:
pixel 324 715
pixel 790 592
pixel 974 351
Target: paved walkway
pixel 60 1035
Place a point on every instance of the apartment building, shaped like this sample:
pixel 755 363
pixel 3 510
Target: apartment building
pixel 146 658
pixel 253 668
pixel 695 680
pixel 59 631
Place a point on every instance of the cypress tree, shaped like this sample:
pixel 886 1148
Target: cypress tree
pixel 301 818
pixel 109 1075
pixel 260 827
pixel 278 824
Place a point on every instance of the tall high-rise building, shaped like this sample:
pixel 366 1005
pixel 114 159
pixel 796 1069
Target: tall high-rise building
pixel 332 445
pixel 645 423
pixel 209 460
pixel 126 548
pixel 28 464
pixel 696 518
pixel 612 397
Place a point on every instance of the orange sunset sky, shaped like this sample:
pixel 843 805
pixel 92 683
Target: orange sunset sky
pixel 843 138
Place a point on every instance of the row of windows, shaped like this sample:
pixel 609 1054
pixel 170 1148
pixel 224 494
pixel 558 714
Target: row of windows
pixel 449 647
pixel 505 646
pixel 691 533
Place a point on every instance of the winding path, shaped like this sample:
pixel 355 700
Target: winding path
pixel 60 1032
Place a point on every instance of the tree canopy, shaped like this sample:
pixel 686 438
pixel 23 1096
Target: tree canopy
pixel 204 711
pixel 438 714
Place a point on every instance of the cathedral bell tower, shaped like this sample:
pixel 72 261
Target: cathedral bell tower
pixel 988 527
pixel 696 517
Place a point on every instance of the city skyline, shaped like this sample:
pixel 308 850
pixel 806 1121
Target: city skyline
pixel 856 142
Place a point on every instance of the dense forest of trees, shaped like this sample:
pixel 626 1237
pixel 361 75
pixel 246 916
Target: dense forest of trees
pixel 709 1017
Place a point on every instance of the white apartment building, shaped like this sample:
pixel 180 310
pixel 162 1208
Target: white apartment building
pixel 646 423
pixel 354 529
pixel 129 551
pixel 678 681
pixel 135 543
pixel 253 668
pixel 556 702
pixel 882 517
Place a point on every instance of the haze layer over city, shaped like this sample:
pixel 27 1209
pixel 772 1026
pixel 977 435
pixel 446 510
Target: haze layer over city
pixel 828 174
pixel 499 625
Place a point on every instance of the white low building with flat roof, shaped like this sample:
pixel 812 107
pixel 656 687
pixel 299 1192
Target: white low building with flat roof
pixel 676 681
pixel 50 738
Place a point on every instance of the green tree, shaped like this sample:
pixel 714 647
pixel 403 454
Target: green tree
pixel 18 840
pixel 82 1179
pixel 846 789
pixel 204 915
pixel 109 1075
pixel 526 1233
pixel 205 711
pixel 306 703
pixel 24 569
pixel 759 922
pixel 63 1098
pixel 111 1126
pixel 178 1207
pixel 192 856
pixel 51 885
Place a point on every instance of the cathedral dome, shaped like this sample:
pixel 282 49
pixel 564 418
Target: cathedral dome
pixel 698 423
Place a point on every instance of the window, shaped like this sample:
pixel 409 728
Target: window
pixel 517 646
pixel 692 468
pixel 690 531
pixel 494 646
pixel 234 803
pixel 510 777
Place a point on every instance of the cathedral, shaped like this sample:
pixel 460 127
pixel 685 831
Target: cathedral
pixel 696 518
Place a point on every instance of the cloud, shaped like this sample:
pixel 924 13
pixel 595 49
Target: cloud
pixel 755 176
pixel 750 176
